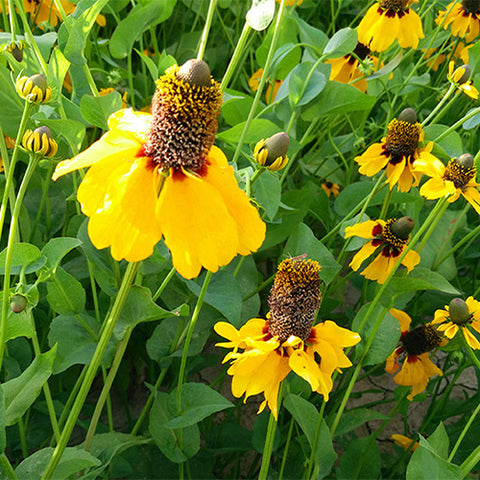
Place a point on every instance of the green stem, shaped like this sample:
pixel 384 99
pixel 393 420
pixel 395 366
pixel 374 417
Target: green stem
pixel 106 388
pixel 469 464
pixel 263 80
pixel 92 369
pixel 311 461
pixel 206 29
pixel 12 20
pixel 164 284
pixel 6 164
pixel 232 66
pixel 8 185
pixel 444 205
pixel 9 254
pixel 7 467
pixel 440 104
pixel 386 203
pixel 287 447
pixel 469 115
pixel 269 439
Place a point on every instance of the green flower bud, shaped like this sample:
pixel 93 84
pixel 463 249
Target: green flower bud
pixel 18 303
pixel 40 141
pixel 272 153
pixel 195 72
pixel 459 312
pixel 34 89
pixel 402 227
pixel 408 115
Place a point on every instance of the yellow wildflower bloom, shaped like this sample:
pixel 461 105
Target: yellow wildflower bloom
pixel 388 239
pixel 387 21
pixel 460 315
pixel 398 151
pixel 462 17
pixel 417 368
pixel 106 91
pixel 331 188
pixel 286 340
pixel 272 88
pixel 159 175
pixel 406 443
pixel 455 179
pixel 461 77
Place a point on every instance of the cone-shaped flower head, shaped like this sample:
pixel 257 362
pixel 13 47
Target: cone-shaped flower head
pixel 272 152
pixel 34 89
pixel 160 175
pixel 286 341
pixel 460 315
pixel 388 239
pixel 398 151
pixel 415 345
pixel 40 141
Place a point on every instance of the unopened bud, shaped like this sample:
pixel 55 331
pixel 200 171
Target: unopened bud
pixel 34 89
pixel 18 303
pixel 195 72
pixel 408 115
pixel 465 160
pixel 16 49
pixel 272 153
pixel 462 74
pixel 402 227
pixel 40 141
pixel 459 312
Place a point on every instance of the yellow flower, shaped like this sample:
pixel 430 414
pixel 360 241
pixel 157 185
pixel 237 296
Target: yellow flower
pixel 458 315
pixel 106 91
pixel 286 341
pixel 272 91
pixel 463 17
pixel 387 21
pixel 417 368
pixel 331 188
pixel 461 52
pixel 461 77
pixel 406 443
pixel 158 175
pixel 398 151
pixel 389 239
pixel 453 180
pixel 351 68
pixel 289 3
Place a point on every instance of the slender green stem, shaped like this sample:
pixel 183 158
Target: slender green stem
pixel 7 468
pixel 8 185
pixel 386 204
pixel 444 205
pixel 311 461
pixel 92 369
pixel 457 124
pixel 232 66
pixel 269 439
pixel 287 447
pixel 9 254
pixel 23 438
pixel 263 80
pixel 12 20
pixel 6 163
pixel 206 29
pixel 106 388
pixel 469 464
pixel 440 104
pixel 164 284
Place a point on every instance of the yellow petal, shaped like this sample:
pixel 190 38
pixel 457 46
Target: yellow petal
pixel 411 260
pixel 306 367
pixel 365 252
pixel 403 319
pixel 363 230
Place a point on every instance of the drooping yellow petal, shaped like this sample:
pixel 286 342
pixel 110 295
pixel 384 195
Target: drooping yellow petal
pixel 411 260
pixel 473 197
pixel 379 269
pixel 403 319
pixel 470 338
pixel 391 365
pixel 363 230
pixel 366 251
pixel 305 366
pixel 384 32
pixel 410 30
pixel 373 160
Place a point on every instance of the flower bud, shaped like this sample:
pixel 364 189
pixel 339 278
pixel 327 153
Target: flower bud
pixel 18 303
pixel 408 115
pixel 402 227
pixel 16 49
pixel 459 312
pixel 40 141
pixel 272 153
pixel 462 74
pixel 195 72
pixel 465 160
pixel 34 89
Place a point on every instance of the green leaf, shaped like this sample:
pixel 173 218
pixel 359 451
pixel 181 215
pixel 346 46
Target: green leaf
pixel 311 35
pixel 11 111
pixel 57 248
pixel 58 67
pixel 223 294
pixel 139 19
pixel 65 293
pixel 299 92
pixel 72 131
pixel 3 437
pixel 267 192
pixel 167 439
pixel 73 460
pixel 259 128
pixel 339 98
pixel 260 14
pixel 25 256
pixel 448 146
pixel 360 460
pixel 18 324
pixel 150 64
pixel 302 240
pixel 306 415
pixel 75 337
pixel 386 337
pixel 198 402
pixel 356 417
pixel 21 392
pixel 79 29
pixel 344 41
pixel 471 122
pixel 96 110
pixel 139 307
